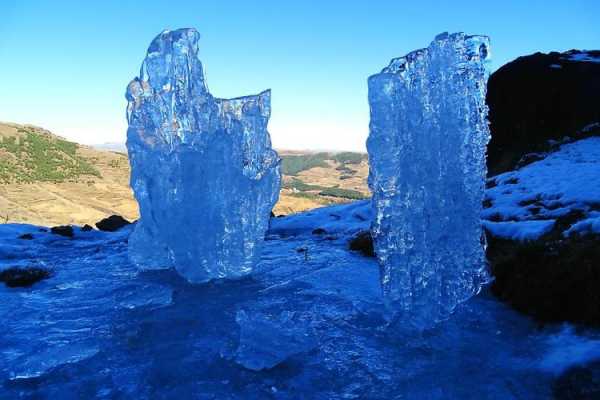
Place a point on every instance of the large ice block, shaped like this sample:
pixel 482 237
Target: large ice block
pixel 202 168
pixel 427 143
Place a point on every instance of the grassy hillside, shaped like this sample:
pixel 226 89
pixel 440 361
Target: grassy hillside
pixel 293 164
pixel 32 155
pixel 47 180
pixel 314 179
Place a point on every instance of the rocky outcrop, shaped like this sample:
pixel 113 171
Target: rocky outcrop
pixel 553 278
pixel 112 223
pixel 541 98
pixel 363 242
pixel 63 230
pixel 23 277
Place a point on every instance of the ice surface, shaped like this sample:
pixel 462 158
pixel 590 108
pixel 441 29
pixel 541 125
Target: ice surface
pixel 266 340
pixel 342 219
pixel 45 360
pixel 427 142
pixel 93 330
pixel 202 168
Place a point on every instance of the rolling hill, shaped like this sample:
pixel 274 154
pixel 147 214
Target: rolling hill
pixel 47 180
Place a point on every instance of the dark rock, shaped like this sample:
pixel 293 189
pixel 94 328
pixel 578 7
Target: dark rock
pixel 363 242
pixel 26 236
pixel 530 158
pixel 43 230
pixel 87 228
pixel 63 230
pixel 319 231
pixel 359 217
pixel 540 98
pixel 535 210
pixel 112 223
pixel 23 277
pixel 553 278
pixel 272 214
pixel 577 383
pixel 496 217
pixel 491 183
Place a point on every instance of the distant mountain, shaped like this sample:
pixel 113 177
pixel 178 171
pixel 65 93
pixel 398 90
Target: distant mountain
pixel 111 146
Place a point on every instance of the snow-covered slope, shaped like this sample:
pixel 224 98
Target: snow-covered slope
pixel 524 204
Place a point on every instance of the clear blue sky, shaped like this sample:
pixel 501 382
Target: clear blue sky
pixel 64 65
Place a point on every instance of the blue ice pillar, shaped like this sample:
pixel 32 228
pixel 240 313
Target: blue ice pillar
pixel 427 144
pixel 202 168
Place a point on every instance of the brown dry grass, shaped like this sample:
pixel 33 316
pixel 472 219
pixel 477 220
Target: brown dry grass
pixel 91 198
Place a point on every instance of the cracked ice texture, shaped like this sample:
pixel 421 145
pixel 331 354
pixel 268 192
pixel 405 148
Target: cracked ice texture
pixel 427 144
pixel 202 168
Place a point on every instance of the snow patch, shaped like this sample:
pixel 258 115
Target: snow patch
pixel 519 230
pixel 541 192
pixel 584 57
pixel 344 219
pixel 589 225
pixel 567 349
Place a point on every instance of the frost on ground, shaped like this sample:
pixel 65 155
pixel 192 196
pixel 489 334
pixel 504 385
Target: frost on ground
pixel 524 204
pixel 203 170
pixel 427 143
pixel 306 324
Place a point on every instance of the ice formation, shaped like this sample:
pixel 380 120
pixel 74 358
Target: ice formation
pixel 427 143
pixel 202 168
pixel 266 340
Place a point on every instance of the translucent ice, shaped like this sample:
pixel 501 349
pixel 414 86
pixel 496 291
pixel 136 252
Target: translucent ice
pixel 44 361
pixel 427 143
pixel 266 341
pixel 202 168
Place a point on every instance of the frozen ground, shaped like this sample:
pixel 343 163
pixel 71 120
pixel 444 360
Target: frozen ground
pixel 306 325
